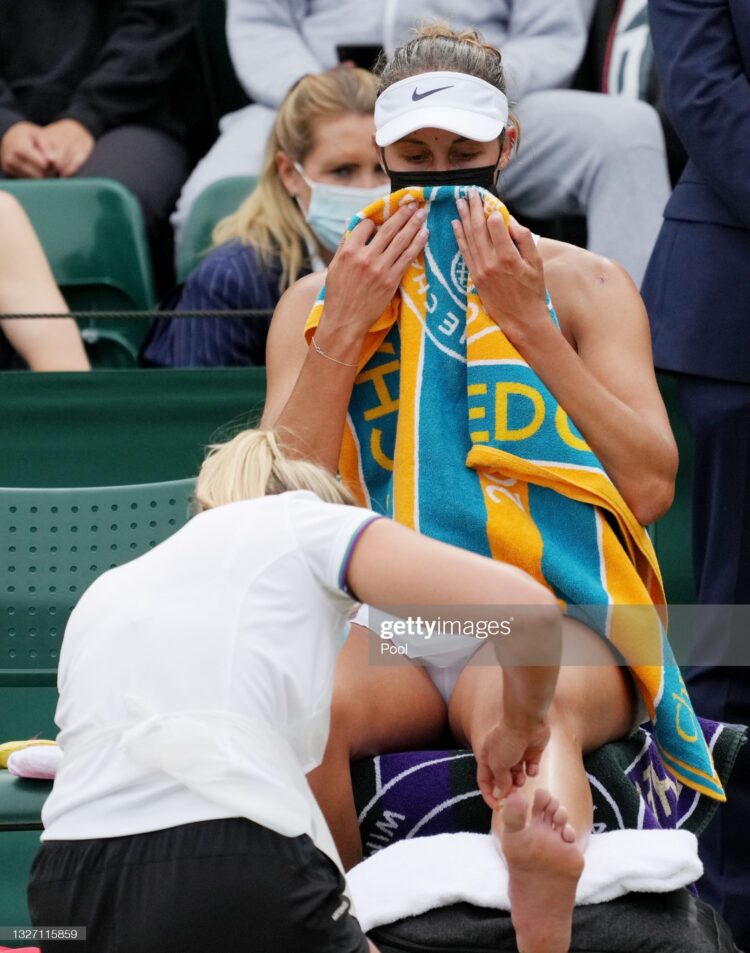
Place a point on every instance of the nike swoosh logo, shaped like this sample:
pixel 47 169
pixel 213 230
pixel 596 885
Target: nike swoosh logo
pixel 417 96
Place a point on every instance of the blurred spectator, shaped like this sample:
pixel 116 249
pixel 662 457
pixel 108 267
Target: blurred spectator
pixel 86 88
pixel 27 287
pixel 698 305
pixel 320 168
pixel 619 61
pixel 581 153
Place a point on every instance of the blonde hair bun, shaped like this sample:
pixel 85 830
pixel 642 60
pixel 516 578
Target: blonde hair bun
pixel 253 464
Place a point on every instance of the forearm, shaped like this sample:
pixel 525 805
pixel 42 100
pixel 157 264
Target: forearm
pixel 312 420
pixel 636 455
pixel 308 391
pixel 528 693
pixel 52 344
pixel 530 658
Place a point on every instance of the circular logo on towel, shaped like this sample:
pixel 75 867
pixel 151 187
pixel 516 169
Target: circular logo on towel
pixel 459 274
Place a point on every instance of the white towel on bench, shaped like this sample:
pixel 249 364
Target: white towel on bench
pixel 413 876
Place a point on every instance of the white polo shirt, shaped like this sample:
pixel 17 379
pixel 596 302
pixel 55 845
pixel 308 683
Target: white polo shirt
pixel 195 681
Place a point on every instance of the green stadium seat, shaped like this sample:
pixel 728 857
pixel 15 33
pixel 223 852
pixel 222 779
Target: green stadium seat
pixel 214 203
pixel 112 427
pixel 93 235
pixel 53 544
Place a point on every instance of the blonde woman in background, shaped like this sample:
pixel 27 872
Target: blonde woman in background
pixel 195 692
pixel 320 168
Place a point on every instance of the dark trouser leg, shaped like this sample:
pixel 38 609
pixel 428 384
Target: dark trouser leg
pixel 225 885
pixel 153 166
pixel 718 414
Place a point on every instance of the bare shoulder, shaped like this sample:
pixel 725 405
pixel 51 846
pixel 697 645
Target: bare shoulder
pixel 294 307
pixel 307 287
pixel 570 268
pixel 286 347
pixel 586 287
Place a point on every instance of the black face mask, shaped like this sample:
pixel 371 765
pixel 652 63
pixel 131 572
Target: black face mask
pixel 484 177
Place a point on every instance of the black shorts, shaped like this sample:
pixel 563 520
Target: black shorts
pixel 221 885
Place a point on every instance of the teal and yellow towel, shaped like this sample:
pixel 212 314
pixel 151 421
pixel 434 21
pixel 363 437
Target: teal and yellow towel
pixel 450 431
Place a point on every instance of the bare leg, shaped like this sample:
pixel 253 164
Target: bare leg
pixel 544 864
pixel 592 705
pixel 389 707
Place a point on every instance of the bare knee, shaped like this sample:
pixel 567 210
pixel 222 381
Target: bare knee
pixel 565 723
pixel 592 706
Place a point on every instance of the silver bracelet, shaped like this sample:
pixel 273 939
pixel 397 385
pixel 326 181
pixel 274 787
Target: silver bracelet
pixel 328 356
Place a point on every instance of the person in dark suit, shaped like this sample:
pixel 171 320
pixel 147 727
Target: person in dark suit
pixel 696 293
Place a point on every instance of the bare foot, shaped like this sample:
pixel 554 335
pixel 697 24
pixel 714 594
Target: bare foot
pixel 544 866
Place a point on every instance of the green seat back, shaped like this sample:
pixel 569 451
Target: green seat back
pixel 93 235
pixel 113 427
pixel 53 544
pixel 214 203
pixel 672 534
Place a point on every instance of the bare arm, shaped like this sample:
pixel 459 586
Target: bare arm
pixel 27 286
pixel 52 344
pixel 608 386
pixel 396 567
pixel 602 373
pixel 308 394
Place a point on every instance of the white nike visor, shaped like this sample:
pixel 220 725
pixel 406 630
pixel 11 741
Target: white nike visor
pixel 457 102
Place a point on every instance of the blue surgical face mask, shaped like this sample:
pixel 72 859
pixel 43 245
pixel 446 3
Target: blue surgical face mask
pixel 332 207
